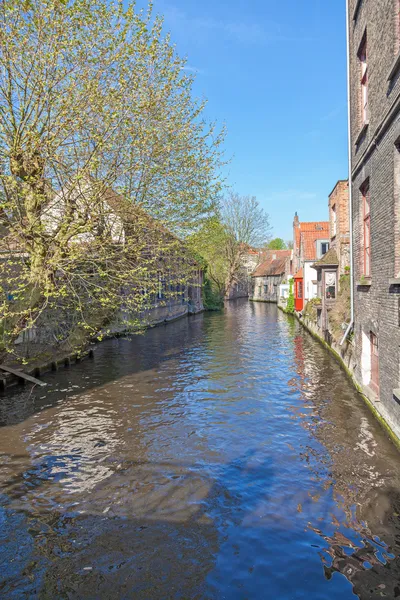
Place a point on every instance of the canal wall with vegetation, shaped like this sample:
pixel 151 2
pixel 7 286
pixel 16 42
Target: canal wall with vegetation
pixel 345 355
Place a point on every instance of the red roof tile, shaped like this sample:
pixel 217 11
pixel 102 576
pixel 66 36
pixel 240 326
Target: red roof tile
pixel 308 241
pixel 274 263
pixel 320 228
pixel 299 274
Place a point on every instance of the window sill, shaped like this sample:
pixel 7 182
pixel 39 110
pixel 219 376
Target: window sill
pixel 395 67
pixel 394 281
pixel 362 133
pixel 365 282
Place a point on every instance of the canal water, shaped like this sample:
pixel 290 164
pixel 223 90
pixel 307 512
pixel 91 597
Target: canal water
pixel 222 456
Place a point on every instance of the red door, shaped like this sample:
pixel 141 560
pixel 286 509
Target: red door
pixel 299 295
pixel 374 363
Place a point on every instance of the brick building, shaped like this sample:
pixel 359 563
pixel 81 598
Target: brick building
pixel 374 81
pixel 339 223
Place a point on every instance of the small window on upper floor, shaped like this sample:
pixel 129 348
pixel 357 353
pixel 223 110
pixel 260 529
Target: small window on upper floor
pixel 362 57
pixel 322 248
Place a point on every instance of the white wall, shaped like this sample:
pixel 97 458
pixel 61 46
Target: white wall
pixel 310 275
pixel 366 359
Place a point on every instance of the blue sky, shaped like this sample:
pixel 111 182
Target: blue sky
pixel 274 71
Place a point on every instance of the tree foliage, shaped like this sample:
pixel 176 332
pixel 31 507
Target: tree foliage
pixel 211 243
pixel 93 97
pixel 277 244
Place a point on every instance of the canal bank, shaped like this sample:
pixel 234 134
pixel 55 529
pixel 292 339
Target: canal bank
pixel 217 457
pixel 53 361
pixel 346 357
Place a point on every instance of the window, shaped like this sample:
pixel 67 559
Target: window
pixel 334 220
pixel 265 289
pixel 330 285
pixel 366 230
pixel 362 56
pixel 322 248
pixel 300 290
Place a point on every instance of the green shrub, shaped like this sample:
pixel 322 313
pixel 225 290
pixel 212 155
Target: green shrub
pixel 212 299
pixel 290 302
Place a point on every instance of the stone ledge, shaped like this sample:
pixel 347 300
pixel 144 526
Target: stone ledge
pixel 366 282
pixel 362 133
pixel 394 281
pixel 394 68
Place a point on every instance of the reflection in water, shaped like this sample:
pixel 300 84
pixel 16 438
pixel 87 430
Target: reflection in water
pixel 223 456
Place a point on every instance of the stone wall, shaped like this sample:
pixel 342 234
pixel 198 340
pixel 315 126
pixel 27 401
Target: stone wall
pixel 266 289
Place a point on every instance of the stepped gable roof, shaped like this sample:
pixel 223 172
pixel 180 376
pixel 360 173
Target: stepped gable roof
pixel 329 259
pixel 274 264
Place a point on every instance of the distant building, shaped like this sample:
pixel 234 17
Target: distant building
pixel 310 242
pixel 270 274
pixel 241 286
pixel 374 58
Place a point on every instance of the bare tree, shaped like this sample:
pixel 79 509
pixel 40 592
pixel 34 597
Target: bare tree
pixel 248 226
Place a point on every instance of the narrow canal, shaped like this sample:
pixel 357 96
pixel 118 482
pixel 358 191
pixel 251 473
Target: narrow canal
pixel 222 456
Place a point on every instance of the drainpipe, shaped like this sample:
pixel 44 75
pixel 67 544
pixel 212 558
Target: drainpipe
pixel 351 324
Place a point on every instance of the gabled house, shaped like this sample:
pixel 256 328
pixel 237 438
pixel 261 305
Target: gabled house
pixel 270 274
pixel 310 242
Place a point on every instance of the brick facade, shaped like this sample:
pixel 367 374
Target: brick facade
pixel 375 162
pixel 339 223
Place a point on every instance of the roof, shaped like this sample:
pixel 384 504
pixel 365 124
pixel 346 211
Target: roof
pixel 308 242
pixel 299 274
pixel 312 227
pixel 274 264
pixel 329 259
